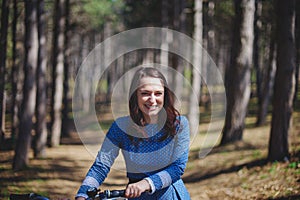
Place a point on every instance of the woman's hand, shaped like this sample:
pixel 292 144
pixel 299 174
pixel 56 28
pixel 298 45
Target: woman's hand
pixel 136 189
pixel 80 198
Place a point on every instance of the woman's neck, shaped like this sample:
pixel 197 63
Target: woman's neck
pixel 151 119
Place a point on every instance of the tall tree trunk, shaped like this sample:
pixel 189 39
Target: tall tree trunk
pixel 67 71
pixel 40 139
pixel 3 45
pixel 257 53
pixel 180 25
pixel 297 37
pixel 238 74
pixel 108 32
pixel 164 55
pixel 83 54
pixel 284 81
pixel 29 88
pixel 58 70
pixel 14 75
pixel 268 83
pixel 211 45
pixel 197 62
pixel 211 48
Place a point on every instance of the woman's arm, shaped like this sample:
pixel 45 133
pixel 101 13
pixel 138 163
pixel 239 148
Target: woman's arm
pixel 101 166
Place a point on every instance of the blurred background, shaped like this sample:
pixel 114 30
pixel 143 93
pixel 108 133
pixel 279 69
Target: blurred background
pixel 255 44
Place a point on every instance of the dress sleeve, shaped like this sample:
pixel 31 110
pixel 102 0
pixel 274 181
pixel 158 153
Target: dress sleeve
pixel 103 162
pixel 175 170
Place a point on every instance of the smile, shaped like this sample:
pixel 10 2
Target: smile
pixel 151 107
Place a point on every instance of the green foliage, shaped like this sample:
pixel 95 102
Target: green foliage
pixel 101 11
pixel 294 165
pixel 257 154
pixel 187 73
pixel 273 168
pixel 102 86
pixel 224 14
pixel 105 124
pixel 226 8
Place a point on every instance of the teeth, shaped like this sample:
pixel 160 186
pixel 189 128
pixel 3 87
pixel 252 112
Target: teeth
pixel 151 107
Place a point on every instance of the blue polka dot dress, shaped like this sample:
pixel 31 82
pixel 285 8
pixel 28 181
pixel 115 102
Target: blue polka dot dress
pixel 148 154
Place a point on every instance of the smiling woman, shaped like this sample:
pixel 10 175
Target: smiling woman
pixel 150 97
pixel 154 141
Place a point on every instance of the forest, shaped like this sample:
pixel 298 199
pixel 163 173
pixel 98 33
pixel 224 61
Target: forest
pixel 233 65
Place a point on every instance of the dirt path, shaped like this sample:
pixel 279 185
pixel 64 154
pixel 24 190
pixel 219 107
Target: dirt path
pixel 233 172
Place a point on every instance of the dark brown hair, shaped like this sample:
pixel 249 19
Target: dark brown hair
pixel 171 112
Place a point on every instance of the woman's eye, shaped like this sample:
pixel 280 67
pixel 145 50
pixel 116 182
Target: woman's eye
pixel 144 93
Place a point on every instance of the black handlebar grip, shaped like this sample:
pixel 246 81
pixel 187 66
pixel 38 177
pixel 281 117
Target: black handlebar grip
pixel 19 196
pixel 92 192
pixel 116 193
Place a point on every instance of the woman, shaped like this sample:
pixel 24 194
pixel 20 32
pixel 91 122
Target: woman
pixel 154 141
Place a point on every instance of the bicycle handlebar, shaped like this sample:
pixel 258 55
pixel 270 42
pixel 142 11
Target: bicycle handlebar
pixel 95 194
pixel 114 193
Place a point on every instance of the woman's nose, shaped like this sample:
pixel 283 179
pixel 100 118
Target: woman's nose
pixel 152 98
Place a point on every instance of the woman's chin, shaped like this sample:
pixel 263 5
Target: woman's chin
pixel 152 113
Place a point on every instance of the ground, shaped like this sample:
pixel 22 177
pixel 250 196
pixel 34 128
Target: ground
pixel 236 171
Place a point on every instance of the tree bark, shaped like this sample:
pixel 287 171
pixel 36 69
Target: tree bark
pixel 111 79
pixel 40 139
pixel 268 83
pixel 257 53
pixel 211 39
pixel 67 71
pixel 297 38
pixel 58 71
pixel 197 62
pixel 164 54
pixel 84 50
pixel 179 64
pixel 3 45
pixel 237 78
pixel 29 88
pixel 284 81
pixel 14 75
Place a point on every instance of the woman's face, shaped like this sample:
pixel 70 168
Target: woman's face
pixel 150 95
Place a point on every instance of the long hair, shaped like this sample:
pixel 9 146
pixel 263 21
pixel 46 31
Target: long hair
pixel 137 115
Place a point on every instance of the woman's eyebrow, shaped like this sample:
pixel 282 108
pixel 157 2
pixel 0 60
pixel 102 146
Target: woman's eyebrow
pixel 146 90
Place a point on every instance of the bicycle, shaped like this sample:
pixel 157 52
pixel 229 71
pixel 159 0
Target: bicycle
pixel 93 194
